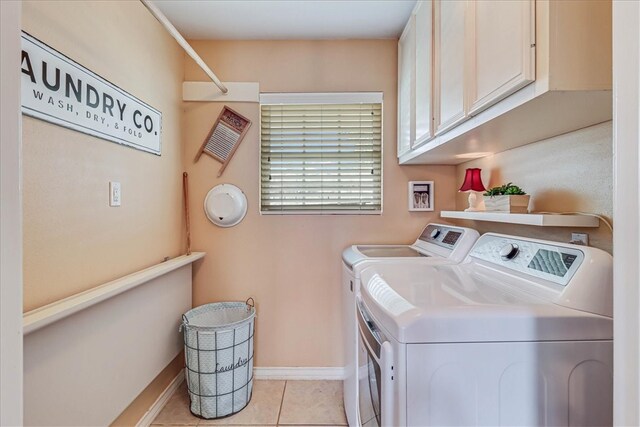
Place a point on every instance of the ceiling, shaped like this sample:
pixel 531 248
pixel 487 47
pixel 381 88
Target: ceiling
pixel 288 20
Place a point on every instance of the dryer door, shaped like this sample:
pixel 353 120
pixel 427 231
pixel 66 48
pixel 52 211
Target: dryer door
pixel 369 388
pixel 374 372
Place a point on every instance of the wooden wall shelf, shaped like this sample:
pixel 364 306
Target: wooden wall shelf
pixel 43 316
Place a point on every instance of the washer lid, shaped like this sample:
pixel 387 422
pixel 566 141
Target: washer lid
pixel 225 205
pixel 356 259
pixel 377 251
pixel 417 303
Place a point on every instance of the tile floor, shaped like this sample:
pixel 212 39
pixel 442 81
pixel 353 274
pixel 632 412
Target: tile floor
pixel 274 403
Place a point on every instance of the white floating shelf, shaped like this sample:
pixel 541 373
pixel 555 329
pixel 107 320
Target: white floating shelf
pixel 541 220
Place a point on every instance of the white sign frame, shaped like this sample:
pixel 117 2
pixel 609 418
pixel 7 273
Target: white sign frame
pixel 58 90
pixel 424 192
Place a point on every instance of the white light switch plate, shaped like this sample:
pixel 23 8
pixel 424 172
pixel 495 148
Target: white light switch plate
pixel 115 194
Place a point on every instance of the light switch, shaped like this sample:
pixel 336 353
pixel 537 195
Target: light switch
pixel 115 194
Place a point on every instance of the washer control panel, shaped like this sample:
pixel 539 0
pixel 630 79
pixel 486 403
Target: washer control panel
pixel 441 235
pixel 557 264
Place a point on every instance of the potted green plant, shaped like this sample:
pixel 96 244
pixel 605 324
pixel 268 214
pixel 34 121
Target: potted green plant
pixel 506 198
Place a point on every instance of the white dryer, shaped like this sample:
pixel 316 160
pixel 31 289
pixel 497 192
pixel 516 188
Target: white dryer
pixel 520 333
pixel 437 244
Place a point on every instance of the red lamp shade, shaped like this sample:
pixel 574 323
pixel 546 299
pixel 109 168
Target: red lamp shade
pixel 472 181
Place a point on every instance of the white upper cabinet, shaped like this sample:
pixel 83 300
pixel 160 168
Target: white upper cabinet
pixel 504 73
pixel 424 65
pixel 502 49
pixel 449 61
pixel 406 87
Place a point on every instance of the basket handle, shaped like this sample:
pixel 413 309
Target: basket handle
pixel 251 304
pixel 184 323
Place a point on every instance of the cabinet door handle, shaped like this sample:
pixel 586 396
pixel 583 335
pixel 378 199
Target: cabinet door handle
pixel 351 285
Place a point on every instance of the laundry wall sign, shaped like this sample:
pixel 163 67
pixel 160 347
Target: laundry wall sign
pixel 61 91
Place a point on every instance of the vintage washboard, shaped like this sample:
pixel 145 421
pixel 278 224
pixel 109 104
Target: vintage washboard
pixel 225 137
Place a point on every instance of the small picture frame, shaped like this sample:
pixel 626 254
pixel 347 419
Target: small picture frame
pixel 420 196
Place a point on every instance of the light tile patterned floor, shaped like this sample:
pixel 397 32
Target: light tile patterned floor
pixel 274 403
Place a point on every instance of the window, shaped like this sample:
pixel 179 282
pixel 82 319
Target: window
pixel 321 153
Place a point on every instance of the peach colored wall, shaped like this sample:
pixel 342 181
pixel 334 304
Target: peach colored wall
pixel 73 240
pixel 568 173
pixel 291 264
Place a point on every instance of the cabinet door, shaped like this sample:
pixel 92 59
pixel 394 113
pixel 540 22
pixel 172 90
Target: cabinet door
pixel 502 49
pixel 424 76
pixel 406 87
pixel 449 58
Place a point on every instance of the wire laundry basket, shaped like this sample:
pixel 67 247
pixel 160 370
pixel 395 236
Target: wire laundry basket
pixel 218 346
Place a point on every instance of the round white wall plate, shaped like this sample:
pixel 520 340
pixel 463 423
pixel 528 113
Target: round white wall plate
pixel 225 205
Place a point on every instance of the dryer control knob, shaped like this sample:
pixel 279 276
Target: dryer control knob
pixel 435 233
pixel 509 251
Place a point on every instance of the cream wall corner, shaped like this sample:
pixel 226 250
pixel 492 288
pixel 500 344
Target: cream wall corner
pixel 291 264
pixel 73 240
pixel 11 345
pixel 569 173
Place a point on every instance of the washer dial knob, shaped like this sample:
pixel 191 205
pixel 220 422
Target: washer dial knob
pixel 509 251
pixel 435 233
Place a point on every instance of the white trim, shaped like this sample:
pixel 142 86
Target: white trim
pixel 298 373
pixel 161 401
pixel 11 346
pixel 626 204
pixel 43 316
pixel 325 212
pixel 207 92
pixel 321 98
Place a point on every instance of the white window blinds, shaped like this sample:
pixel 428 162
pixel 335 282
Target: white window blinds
pixel 319 156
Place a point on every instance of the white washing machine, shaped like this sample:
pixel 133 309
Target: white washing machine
pixel 437 244
pixel 520 333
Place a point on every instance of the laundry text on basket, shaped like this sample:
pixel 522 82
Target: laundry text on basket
pixel 239 363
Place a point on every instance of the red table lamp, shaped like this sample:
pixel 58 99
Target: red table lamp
pixel 472 184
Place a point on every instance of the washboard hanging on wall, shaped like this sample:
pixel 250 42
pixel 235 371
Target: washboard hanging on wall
pixel 224 137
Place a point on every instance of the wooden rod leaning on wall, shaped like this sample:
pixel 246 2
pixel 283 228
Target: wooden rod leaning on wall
pixel 157 13
pixel 185 189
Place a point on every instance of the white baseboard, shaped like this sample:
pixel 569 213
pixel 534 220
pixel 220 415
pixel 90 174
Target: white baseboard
pixel 299 373
pixel 162 400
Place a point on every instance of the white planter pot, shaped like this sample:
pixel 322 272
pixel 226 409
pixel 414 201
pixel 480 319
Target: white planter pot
pixel 511 204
